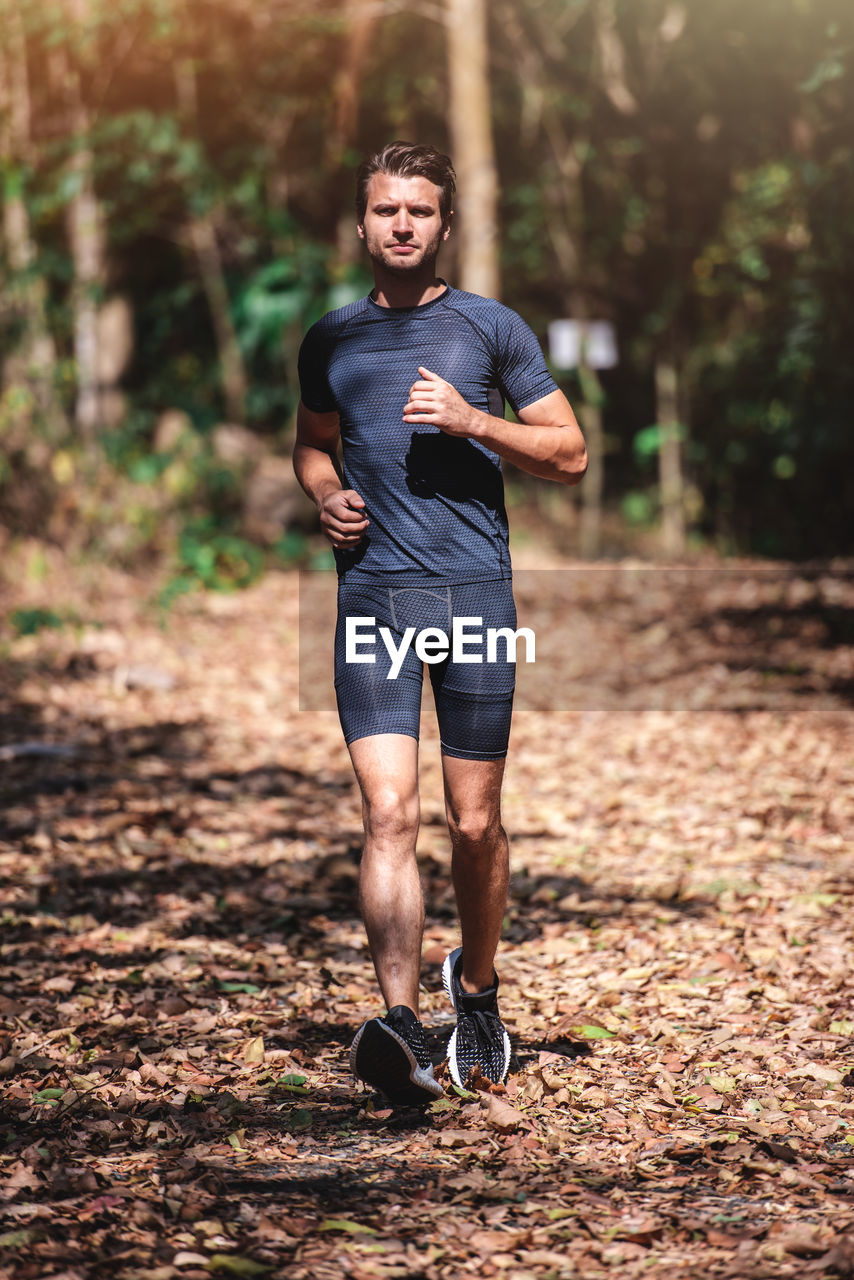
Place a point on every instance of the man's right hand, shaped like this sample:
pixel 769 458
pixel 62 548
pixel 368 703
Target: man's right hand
pixel 342 518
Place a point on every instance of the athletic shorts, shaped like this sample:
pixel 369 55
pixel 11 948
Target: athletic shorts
pixel 474 698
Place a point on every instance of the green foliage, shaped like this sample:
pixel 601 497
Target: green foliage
pixel 127 446
pixel 829 69
pixel 346 1225
pixel 28 622
pixel 50 1097
pixel 212 558
pixel 273 297
pixel 638 508
pixel 16 1239
pixel 232 1264
pixel 713 217
pixel 647 443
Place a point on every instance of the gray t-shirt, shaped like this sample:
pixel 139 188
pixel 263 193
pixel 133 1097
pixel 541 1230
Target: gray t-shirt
pixel 435 502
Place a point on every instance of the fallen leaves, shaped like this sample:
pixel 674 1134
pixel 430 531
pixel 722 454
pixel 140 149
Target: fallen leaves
pixel 253 1051
pixel 502 1116
pixel 817 1071
pixel 455 1138
pixel 185 968
pixel 344 1224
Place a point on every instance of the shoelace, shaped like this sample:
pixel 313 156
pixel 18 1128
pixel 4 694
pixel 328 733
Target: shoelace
pixel 482 1030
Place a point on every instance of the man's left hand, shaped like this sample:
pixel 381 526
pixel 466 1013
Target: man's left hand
pixel 436 402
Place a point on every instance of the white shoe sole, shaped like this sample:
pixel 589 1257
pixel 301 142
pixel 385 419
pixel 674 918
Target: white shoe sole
pixel 453 1063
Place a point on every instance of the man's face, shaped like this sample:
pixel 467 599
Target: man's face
pixel 402 226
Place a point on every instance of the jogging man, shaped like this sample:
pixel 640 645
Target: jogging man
pixel 412 382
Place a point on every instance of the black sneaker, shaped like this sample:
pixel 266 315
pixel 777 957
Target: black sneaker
pixel 480 1039
pixel 391 1055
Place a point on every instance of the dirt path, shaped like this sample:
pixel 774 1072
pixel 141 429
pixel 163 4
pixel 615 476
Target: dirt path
pixel 184 965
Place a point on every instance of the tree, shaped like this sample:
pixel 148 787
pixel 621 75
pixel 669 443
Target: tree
pixel 470 121
pixel 32 359
pixel 566 216
pixel 202 236
pixel 87 232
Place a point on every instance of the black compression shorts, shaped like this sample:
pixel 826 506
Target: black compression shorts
pixel 474 698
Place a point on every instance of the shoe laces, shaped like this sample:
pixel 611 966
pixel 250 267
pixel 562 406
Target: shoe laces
pixel 482 1030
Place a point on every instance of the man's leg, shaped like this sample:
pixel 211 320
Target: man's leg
pixel 480 861
pixel 474 704
pixel 390 895
pixel 390 1052
pixel 479 1044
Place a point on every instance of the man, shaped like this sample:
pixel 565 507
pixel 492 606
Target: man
pixel 412 381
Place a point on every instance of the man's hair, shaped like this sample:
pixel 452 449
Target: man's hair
pixel 408 160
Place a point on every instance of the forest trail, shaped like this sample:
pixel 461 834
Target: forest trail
pixel 185 967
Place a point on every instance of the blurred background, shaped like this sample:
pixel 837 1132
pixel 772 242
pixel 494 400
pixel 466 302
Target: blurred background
pixel 674 178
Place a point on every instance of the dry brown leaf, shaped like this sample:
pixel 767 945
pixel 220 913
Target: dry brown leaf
pixel 816 1071
pixel 253 1051
pixel 461 1137
pixel 502 1116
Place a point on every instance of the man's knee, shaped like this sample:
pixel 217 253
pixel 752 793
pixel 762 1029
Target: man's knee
pixel 476 830
pixel 390 815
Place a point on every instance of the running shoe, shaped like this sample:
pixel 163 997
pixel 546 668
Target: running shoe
pixel 391 1054
pixel 480 1038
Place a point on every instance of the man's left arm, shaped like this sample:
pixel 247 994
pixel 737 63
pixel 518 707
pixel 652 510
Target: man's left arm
pixel 547 440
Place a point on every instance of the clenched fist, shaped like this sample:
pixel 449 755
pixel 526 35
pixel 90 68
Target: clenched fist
pixel 342 518
pixel 436 402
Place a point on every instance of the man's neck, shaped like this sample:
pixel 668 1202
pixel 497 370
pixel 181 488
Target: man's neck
pixel 393 291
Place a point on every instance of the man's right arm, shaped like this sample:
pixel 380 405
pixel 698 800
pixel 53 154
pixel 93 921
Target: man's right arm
pixel 341 510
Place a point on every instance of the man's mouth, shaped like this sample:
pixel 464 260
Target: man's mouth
pixel 402 248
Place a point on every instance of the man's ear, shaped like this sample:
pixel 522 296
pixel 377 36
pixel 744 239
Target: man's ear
pixel 360 230
pixel 446 230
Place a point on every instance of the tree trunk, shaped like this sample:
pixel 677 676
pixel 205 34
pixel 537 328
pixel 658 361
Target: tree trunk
pixel 86 234
pixel 563 205
pixel 592 490
pixel 33 362
pixel 612 59
pixel 671 409
pixel 202 235
pixel 361 22
pixel 670 478
pixel 470 123
pixel 202 232
pixel 115 348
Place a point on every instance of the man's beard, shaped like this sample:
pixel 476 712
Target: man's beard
pixel 383 257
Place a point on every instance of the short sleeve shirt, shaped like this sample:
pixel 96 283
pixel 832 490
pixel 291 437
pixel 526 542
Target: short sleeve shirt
pixel 435 502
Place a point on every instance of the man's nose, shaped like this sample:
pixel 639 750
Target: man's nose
pixel 402 223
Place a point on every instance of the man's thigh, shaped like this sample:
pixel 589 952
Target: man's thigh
pixel 373 697
pixel 386 764
pixel 474 699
